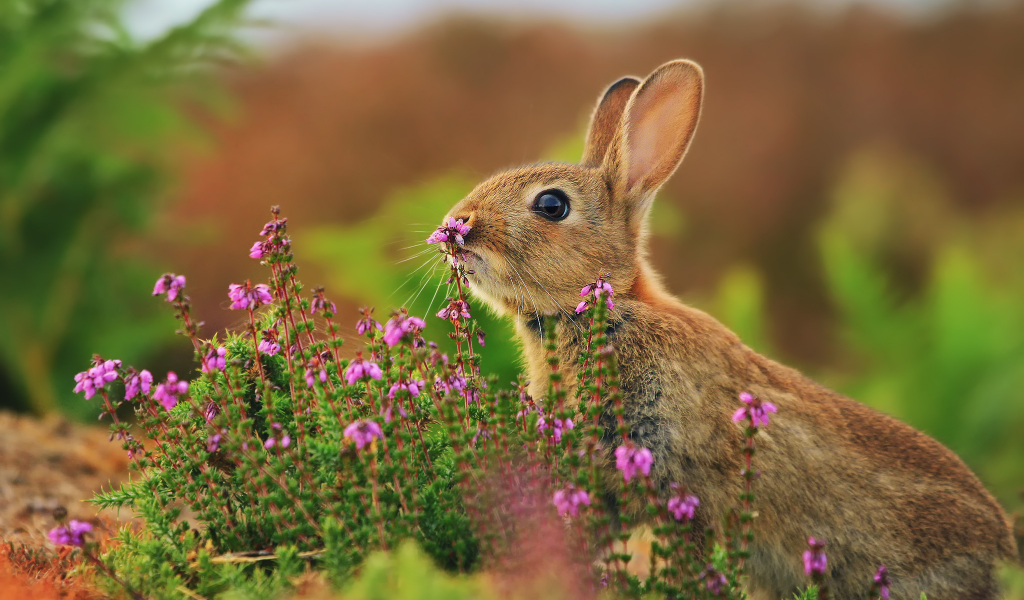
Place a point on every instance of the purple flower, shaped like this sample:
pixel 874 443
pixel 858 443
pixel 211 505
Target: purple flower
pixel 273 227
pixel 70 535
pixel 258 250
pixel 631 461
pixel 882 582
pixel 141 382
pixel 815 560
pixel 359 369
pixel 453 230
pixel 311 376
pixel 456 309
pixel 249 296
pixel 682 506
pixel 454 382
pixel 363 431
pixel 755 410
pixel 170 284
pixel 366 323
pixel 216 360
pixel 321 304
pixel 286 440
pixel 556 425
pixel 399 325
pixel 211 411
pixel 480 335
pixel 569 500
pixel 715 582
pixel 600 289
pixel 390 409
pixel 270 347
pixel 269 443
pixel 413 387
pixel 213 443
pixel 167 393
pixel 96 378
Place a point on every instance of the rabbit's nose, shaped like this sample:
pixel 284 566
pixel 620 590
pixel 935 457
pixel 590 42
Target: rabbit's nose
pixel 468 218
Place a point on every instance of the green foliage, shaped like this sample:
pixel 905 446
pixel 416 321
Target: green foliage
pixel 87 115
pixel 408 574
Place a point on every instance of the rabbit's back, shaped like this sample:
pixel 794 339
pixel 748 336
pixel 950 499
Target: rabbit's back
pixel 878 490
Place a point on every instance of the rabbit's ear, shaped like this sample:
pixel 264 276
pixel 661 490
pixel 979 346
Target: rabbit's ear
pixel 604 123
pixel 657 127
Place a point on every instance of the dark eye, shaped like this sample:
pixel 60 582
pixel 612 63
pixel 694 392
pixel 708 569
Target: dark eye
pixel 553 205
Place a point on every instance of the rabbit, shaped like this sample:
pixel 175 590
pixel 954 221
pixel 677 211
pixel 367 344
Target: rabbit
pixel 877 490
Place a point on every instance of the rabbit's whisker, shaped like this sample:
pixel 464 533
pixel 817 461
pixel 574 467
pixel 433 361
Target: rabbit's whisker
pixel 536 311
pixel 429 274
pixel 409 277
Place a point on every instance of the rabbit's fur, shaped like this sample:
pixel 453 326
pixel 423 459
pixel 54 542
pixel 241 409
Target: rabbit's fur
pixel 877 490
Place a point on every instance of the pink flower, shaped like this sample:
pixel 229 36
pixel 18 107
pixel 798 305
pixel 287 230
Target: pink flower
pixel 211 411
pixel 249 296
pixel 755 410
pixel 274 227
pixel 399 325
pixel 683 506
pixel 557 426
pixel 363 431
pixel 359 369
pixel 258 250
pixel 215 360
pixel 452 231
pixel 321 304
pixel 311 376
pixel 413 387
pixel 456 309
pixel 71 535
pixel 141 382
pixel 96 378
pixel 882 584
pixel 270 347
pixel 600 289
pixel 569 500
pixel 631 461
pixel 366 323
pixel 815 560
pixel 454 382
pixel 715 582
pixel 170 284
pixel 167 393
pixel 213 443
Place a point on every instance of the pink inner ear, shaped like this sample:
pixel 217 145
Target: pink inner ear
pixel 661 122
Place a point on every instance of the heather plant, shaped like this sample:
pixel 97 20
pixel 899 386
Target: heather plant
pixel 280 455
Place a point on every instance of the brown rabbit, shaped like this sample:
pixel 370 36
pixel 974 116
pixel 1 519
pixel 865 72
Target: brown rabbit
pixel 877 490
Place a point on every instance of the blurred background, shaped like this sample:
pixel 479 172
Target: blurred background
pixel 852 204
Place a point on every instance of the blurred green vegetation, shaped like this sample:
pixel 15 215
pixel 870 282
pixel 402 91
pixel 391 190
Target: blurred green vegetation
pixel 945 353
pixel 929 317
pixel 88 120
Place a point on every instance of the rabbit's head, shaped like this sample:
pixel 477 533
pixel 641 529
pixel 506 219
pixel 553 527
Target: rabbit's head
pixel 540 232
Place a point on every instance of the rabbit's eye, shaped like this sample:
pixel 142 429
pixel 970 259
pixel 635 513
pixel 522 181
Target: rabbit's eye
pixel 552 205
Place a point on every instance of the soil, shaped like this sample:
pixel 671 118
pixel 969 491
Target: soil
pixel 51 463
